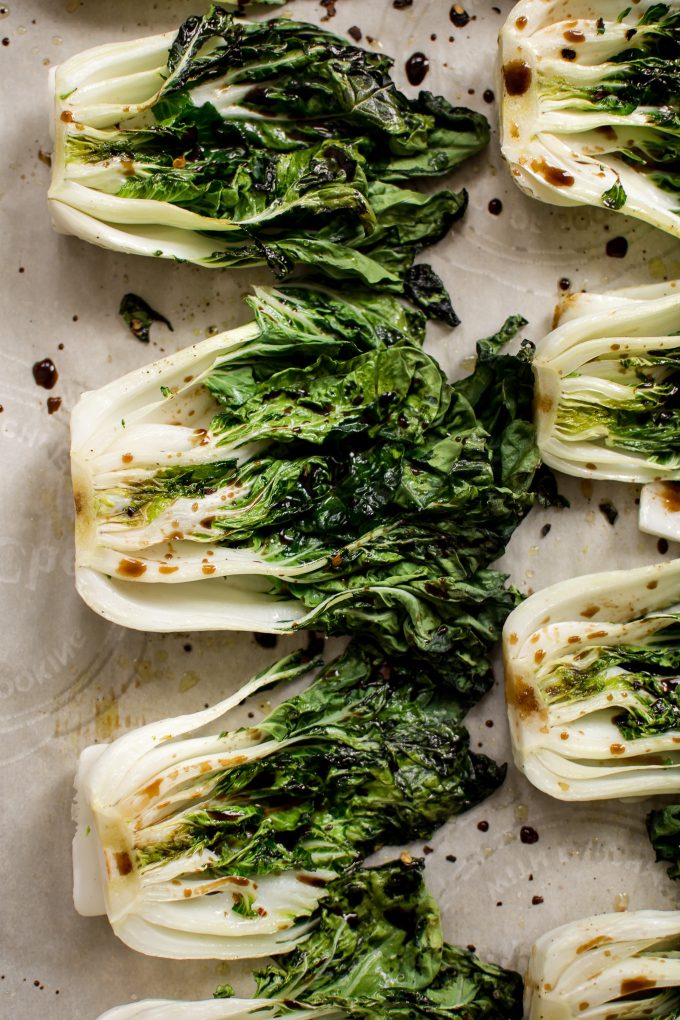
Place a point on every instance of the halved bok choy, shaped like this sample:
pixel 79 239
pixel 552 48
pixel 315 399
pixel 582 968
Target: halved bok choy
pixel 608 395
pixel 222 845
pixel 311 469
pixel 622 966
pixel 375 952
pixel 592 668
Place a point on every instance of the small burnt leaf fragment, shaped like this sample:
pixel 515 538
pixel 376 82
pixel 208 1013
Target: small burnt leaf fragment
pixel 139 315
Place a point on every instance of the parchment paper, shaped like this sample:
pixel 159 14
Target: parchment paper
pixel 67 678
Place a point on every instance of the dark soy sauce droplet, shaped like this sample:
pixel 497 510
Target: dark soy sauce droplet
pixel 266 640
pixel 417 67
pixel 45 373
pixel 617 248
pixel 459 16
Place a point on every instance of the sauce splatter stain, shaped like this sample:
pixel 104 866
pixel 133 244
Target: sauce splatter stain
pixel 617 248
pixel 459 16
pixel 517 77
pixel 417 67
pixel 45 373
pixel 131 568
pixel 552 174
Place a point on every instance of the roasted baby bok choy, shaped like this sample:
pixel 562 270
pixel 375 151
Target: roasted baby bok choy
pixel 273 143
pixel 608 395
pixel 222 845
pixel 311 469
pixel 591 108
pixel 376 951
pixel 609 967
pixel 593 684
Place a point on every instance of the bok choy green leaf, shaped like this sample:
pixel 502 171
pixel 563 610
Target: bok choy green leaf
pixel 663 827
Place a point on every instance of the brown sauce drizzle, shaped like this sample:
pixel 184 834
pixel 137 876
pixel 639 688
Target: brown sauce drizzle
pixel 517 77
pixel 524 698
pixel 671 496
pixel 637 984
pixel 123 862
pixel 599 940
pixel 552 174
pixel 131 568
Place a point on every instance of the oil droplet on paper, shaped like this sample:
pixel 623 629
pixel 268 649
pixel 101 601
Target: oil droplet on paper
pixel 106 720
pixel 621 902
pixel 188 680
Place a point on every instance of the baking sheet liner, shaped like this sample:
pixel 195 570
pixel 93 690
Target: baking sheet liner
pixel 68 678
